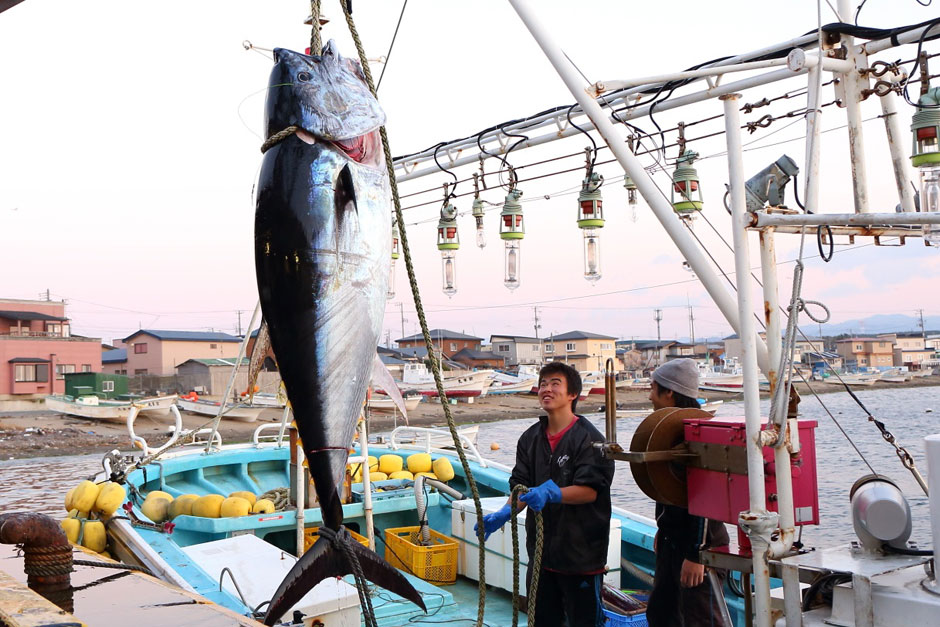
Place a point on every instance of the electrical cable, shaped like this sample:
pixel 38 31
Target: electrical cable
pixel 388 55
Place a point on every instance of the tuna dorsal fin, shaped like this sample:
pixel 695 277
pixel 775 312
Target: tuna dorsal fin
pixel 345 192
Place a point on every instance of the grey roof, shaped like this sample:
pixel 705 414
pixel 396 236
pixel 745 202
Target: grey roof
pixel 28 360
pixel 212 362
pixel 186 336
pixel 564 357
pixel 469 353
pixel 440 334
pixel 516 338
pixel 388 360
pixel 28 315
pixel 580 335
pixel 115 356
pixel 654 344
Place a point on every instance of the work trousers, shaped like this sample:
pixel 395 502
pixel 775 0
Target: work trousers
pixel 672 605
pixel 567 600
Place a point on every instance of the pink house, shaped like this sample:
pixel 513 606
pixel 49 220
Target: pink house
pixel 153 351
pixel 37 348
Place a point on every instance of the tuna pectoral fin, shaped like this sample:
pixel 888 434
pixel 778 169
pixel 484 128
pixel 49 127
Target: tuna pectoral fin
pixel 324 560
pixel 344 193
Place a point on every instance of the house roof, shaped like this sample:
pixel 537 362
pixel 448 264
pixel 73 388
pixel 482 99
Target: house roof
pixel 469 353
pixel 388 360
pixel 185 336
pixel 580 335
pixel 440 334
pixel 28 360
pixel 859 339
pixel 655 344
pixel 115 356
pixel 564 357
pixel 517 338
pixel 28 315
pixel 213 361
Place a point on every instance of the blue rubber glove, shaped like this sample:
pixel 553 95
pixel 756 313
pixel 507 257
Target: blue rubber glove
pixel 495 521
pixel 536 498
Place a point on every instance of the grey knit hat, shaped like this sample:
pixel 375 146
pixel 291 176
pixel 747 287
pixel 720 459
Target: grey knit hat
pixel 678 375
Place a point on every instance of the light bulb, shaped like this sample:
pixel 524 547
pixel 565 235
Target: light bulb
pixel 592 255
pixel 449 272
pixel 930 201
pixel 512 260
pixel 390 290
pixel 631 197
pixel 481 234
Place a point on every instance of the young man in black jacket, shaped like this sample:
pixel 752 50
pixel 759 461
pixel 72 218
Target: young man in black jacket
pixel 569 483
pixel 682 596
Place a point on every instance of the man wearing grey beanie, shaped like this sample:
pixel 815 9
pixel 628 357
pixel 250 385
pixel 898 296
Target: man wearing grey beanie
pixel 681 596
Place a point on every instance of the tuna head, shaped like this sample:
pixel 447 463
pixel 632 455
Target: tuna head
pixel 325 95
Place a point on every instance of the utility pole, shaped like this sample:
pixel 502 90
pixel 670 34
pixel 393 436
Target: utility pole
pixel 658 316
pixel 535 311
pixel 239 331
pixel 923 330
pixel 692 325
pixel 401 310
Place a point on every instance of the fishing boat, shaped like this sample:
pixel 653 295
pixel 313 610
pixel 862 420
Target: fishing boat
pixel 242 412
pixel 459 384
pixel 384 404
pixel 521 382
pixel 91 406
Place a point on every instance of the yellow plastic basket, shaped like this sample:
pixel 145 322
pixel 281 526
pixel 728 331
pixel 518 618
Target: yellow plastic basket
pixel 436 563
pixel 312 534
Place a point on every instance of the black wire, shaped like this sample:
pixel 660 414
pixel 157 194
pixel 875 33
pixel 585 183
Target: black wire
pixel 819 242
pixel 859 10
pixel 593 143
pixel 796 192
pixel 388 54
pixel 887 548
pixel 522 138
pixel 920 45
pixel 450 194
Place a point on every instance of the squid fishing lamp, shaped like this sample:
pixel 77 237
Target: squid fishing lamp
pixel 448 242
pixel 685 183
pixel 478 211
pixel 590 221
pixel 925 156
pixel 511 231
pixel 390 292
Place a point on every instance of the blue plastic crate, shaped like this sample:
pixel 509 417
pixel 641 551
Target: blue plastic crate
pixel 390 488
pixel 618 620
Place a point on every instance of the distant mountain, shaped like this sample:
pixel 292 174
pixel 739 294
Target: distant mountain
pixel 881 323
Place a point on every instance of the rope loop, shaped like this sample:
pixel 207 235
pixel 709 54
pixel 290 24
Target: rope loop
pixel 278 137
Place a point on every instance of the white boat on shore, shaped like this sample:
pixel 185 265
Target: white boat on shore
pixel 457 384
pixel 90 406
pixel 385 404
pixel 242 412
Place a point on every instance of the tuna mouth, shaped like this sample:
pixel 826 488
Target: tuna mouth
pixel 365 149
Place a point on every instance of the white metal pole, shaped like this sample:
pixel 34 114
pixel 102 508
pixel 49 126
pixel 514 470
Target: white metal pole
pixel 300 482
pixel 762 220
pixel 932 447
pixel 897 142
pixel 813 126
pixel 852 101
pixel 366 484
pixel 660 206
pixel 755 458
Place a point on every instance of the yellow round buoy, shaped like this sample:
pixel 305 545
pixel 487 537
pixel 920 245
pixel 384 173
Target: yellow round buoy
pixel 234 506
pixel 443 469
pixel 378 476
pixel 374 463
pixel 71 526
pixel 390 463
pixel 156 509
pixel 429 475
pixel 160 494
pixel 183 505
pixel 419 462
pixel 94 536
pixel 401 474
pixel 208 506
pixel 110 498
pixel 356 473
pixel 494 446
pixel 68 499
pixel 263 506
pixel 84 496
pixel 248 496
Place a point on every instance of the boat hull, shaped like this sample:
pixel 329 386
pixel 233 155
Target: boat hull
pixel 154 407
pixel 241 412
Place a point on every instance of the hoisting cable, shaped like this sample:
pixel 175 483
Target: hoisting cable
pixel 435 363
pixel 535 566
pixel 391 45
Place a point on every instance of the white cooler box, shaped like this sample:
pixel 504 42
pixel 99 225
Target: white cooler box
pixel 499 546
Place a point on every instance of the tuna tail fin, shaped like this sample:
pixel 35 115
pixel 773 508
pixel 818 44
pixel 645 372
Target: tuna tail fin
pixel 326 559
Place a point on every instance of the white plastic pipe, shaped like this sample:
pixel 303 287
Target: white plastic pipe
pixel 301 498
pixel 932 447
pixel 366 484
pixel 662 209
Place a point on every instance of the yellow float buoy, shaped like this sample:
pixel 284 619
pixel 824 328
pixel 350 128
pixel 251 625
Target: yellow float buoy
pixel 378 476
pixel 390 463
pixel 110 498
pixel 209 506
pixel 245 494
pixel 94 536
pixel 84 496
pixel 429 475
pixel 159 494
pixel 71 526
pixel 156 509
pixel 373 463
pixel 419 462
pixel 263 506
pixel 183 505
pixel 234 506
pixel 443 469
pixel 494 446
pixel 401 474
pixel 68 499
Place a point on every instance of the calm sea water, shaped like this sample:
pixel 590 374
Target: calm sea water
pixel 40 484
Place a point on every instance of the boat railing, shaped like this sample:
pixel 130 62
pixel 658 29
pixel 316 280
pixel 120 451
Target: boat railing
pixel 140 442
pixel 199 437
pixel 259 436
pixel 428 435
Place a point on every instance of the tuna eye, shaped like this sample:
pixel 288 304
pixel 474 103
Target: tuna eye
pixel 303 77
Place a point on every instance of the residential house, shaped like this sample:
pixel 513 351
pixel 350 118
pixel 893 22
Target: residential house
pixel 114 361
pixel 448 342
pixel 910 348
pixel 211 376
pixel 37 348
pixel 517 349
pixel 472 359
pixel 158 352
pixel 866 352
pixel 582 350
pixel 800 346
pixel 653 352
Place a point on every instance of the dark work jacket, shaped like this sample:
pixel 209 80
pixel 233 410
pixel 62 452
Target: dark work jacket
pixel 686 533
pixel 576 536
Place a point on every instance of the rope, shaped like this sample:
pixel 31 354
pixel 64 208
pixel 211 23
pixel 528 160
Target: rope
pixel 316 45
pixel 116 566
pixel 47 561
pixel 342 540
pixel 278 137
pixel 279 496
pixel 435 364
pixel 535 566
